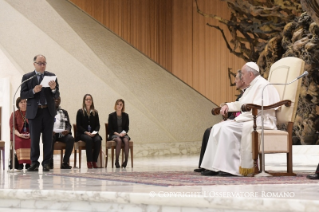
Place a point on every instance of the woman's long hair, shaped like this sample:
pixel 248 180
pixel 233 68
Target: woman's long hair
pixel 91 108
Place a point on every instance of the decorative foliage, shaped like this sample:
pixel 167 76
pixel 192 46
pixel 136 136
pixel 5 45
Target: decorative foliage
pixel 301 39
pixel 253 23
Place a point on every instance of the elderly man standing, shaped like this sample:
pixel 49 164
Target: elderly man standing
pixel 40 111
pixel 229 148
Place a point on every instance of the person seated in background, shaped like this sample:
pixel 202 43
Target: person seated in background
pixel 62 133
pixel 21 133
pixel 240 85
pixel 88 126
pixel 118 126
pixel 314 176
pixel 229 147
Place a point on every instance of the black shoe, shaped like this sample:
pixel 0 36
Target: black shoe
pixel 33 167
pixel 313 176
pixel 20 167
pixel 27 166
pixel 65 166
pixel 117 164
pixel 225 174
pixel 46 167
pixel 124 164
pixel 209 173
pixel 199 170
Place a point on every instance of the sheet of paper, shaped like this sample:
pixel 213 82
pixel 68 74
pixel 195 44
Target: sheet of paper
pixel 94 132
pixel 46 80
pixel 58 130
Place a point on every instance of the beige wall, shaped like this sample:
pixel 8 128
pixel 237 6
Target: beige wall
pixel 166 115
pixel 175 36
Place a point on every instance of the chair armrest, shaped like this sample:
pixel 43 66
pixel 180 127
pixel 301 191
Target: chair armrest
pixel 248 107
pixel 216 111
pixel 255 108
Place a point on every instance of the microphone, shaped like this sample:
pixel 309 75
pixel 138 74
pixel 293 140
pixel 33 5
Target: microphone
pixel 263 173
pixel 37 74
pixel 304 74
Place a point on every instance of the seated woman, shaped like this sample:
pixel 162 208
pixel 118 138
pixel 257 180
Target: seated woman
pixel 118 126
pixel 88 126
pixel 21 133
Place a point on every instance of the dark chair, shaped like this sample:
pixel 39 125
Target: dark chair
pixel 112 145
pixel 79 146
pixel 60 146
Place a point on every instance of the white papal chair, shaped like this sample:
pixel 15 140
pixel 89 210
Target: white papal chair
pixel 278 141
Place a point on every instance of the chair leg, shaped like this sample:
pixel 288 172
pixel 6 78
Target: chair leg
pixel 289 163
pixel 61 157
pixel 131 156
pixel 101 155
pixel 80 156
pixel 123 152
pixel 260 163
pixel 112 150
pixel 74 161
pixel 106 155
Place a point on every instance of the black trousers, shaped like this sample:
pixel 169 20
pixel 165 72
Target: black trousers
pixel 69 142
pixel 204 145
pixel 42 123
pixel 92 143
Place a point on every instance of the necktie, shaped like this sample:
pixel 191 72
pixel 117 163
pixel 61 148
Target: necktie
pixel 42 94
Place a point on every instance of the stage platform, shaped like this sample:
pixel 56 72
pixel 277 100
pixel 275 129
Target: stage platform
pixel 38 192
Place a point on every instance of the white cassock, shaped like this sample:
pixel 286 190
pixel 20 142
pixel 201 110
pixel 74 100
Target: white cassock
pixel 229 147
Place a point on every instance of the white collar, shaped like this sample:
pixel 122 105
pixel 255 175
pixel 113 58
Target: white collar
pixel 90 110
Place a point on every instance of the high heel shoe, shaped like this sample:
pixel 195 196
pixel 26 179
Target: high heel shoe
pixel 94 165
pixel 124 164
pixel 89 165
pixel 117 164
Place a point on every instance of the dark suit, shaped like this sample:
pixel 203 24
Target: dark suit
pixel 112 124
pixel 40 120
pixel 207 133
pixel 67 139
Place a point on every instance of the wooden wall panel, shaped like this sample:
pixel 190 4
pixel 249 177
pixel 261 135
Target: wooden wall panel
pixel 125 23
pixel 182 39
pixel 174 35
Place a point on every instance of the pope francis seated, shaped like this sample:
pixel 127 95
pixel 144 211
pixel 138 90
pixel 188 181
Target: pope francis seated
pixel 229 148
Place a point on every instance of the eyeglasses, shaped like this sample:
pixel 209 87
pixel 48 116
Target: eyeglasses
pixel 41 64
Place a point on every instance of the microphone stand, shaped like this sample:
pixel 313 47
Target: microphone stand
pixel 263 173
pixel 13 127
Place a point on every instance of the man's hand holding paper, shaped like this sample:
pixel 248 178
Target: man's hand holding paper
pixel 49 81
